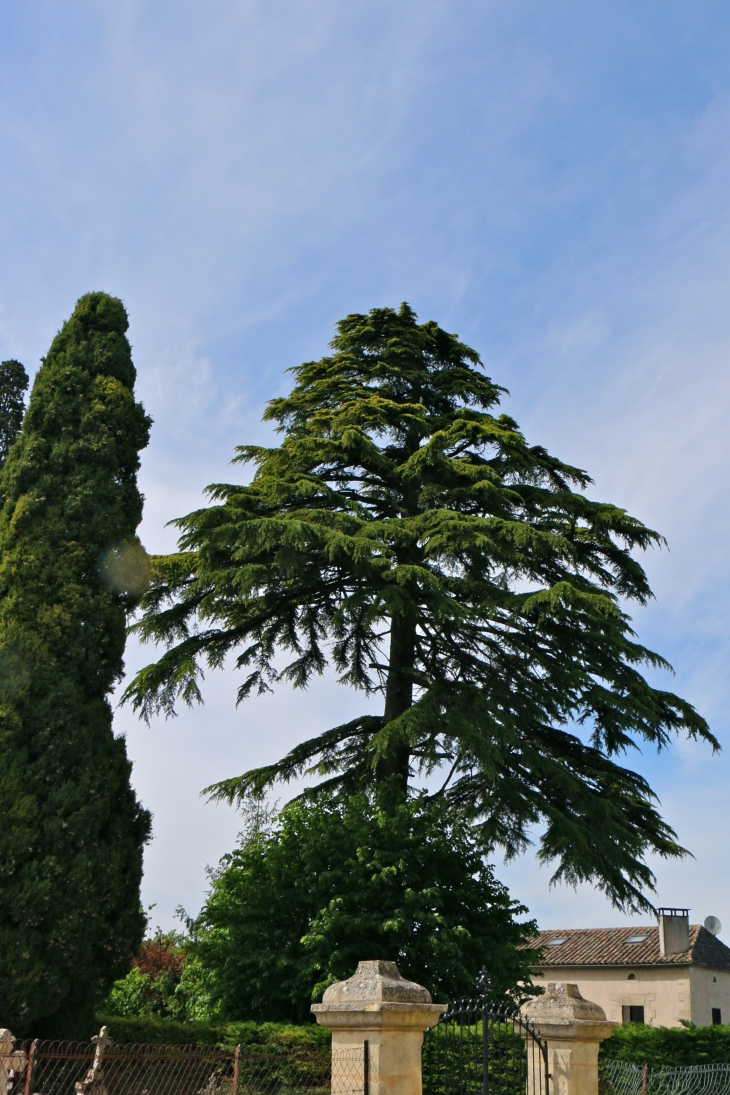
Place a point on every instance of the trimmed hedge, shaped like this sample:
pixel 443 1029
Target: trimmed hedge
pixel 660 1047
pixel 169 1032
pixel 655 1046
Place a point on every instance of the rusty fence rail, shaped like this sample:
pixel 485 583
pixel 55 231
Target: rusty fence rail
pixel 104 1068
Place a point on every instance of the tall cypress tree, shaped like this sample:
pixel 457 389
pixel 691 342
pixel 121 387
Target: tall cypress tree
pixel 71 829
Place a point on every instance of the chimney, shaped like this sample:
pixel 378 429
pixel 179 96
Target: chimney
pixel 673 931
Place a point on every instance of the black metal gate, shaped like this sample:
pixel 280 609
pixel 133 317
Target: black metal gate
pixel 479 1049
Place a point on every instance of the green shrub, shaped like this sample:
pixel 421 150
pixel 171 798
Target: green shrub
pixel 666 1046
pixel 150 1029
pixel 296 905
pixel 128 996
pixel 166 982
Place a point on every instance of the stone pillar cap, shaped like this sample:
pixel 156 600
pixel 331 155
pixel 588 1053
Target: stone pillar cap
pixel 561 1002
pixel 375 983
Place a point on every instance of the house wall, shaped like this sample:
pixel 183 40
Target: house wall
pixel 667 994
pixel 707 994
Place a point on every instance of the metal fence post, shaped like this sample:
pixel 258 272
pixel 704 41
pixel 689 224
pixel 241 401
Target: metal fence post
pixel 31 1062
pixel 236 1069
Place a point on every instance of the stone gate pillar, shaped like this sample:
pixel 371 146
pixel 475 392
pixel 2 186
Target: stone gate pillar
pixel 574 1029
pixel 378 1006
pixel 10 1059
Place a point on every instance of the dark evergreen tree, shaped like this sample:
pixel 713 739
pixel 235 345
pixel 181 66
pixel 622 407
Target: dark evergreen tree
pixel 295 907
pixel 413 539
pixel 71 829
pixel 13 384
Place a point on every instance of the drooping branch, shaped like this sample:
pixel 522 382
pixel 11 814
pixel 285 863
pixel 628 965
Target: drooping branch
pixel 400 501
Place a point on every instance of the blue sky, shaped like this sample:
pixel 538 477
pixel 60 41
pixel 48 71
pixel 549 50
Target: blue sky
pixel 551 181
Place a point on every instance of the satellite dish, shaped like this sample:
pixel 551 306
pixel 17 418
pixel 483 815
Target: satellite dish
pixel 713 925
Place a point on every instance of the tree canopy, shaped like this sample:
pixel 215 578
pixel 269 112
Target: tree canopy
pixel 71 829
pixel 297 905
pixel 13 384
pixel 408 535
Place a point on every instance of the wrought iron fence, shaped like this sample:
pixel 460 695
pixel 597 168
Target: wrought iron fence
pixel 478 1049
pixel 103 1068
pixel 624 1078
pixel 82 1068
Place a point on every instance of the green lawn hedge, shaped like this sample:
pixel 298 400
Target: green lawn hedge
pixel 170 1032
pixel 654 1046
pixel 666 1046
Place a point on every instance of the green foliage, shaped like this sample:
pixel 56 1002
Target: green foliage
pixel 452 1060
pixel 130 996
pixel 294 909
pixel 13 384
pixel 71 828
pixel 194 998
pixel 148 1029
pixel 165 981
pixel 151 1030
pixel 405 534
pixel 661 1047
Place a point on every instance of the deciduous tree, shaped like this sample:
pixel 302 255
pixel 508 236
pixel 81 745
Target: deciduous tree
pixel 295 907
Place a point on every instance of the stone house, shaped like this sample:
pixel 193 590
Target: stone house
pixel 660 974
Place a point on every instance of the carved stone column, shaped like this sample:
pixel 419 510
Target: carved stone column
pixel 378 1007
pixel 574 1029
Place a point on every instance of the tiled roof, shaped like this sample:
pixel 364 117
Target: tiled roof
pixel 611 947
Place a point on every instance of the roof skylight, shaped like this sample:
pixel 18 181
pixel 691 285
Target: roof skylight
pixel 638 938
pixel 558 942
